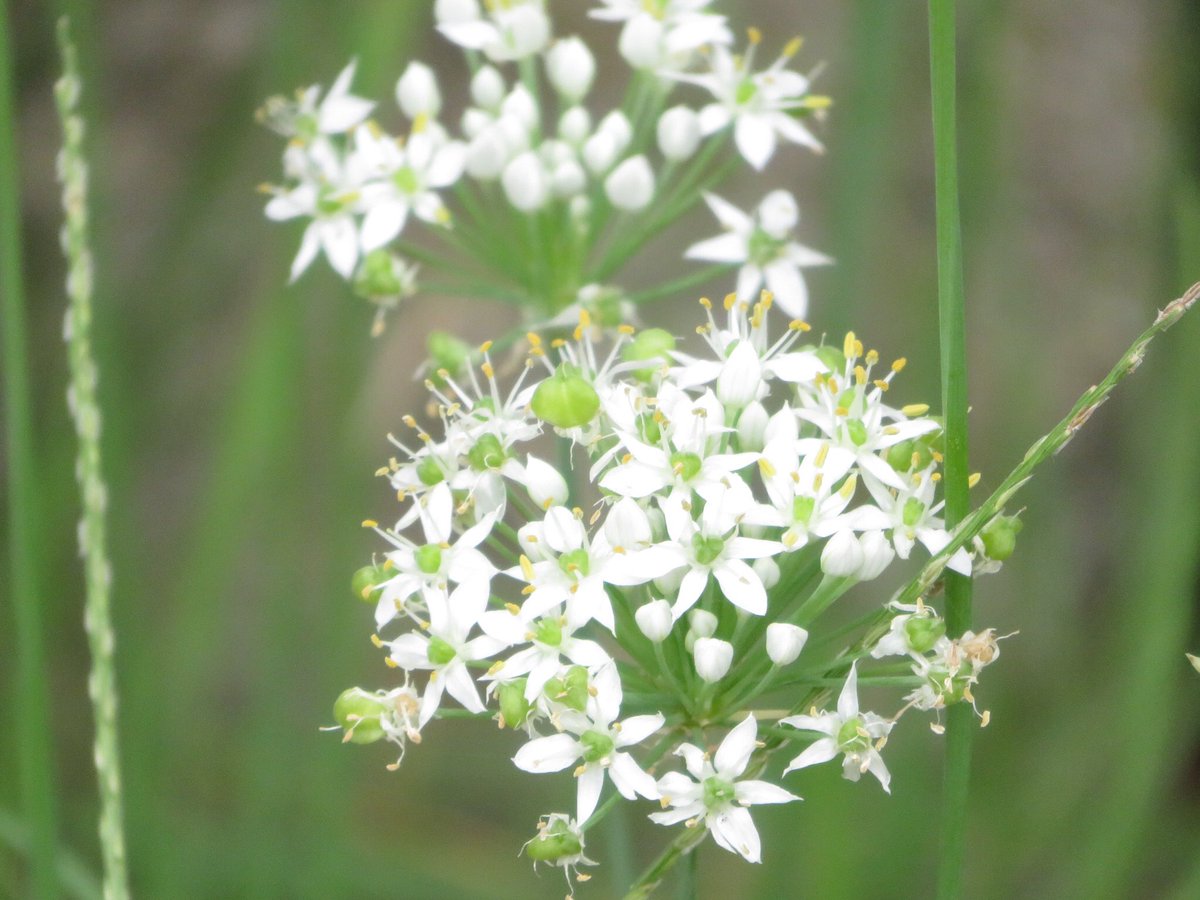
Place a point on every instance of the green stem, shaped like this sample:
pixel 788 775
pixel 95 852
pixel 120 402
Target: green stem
pixel 951 304
pixel 24 532
pixel 102 682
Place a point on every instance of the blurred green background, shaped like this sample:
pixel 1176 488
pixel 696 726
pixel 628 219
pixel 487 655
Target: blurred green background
pixel 244 420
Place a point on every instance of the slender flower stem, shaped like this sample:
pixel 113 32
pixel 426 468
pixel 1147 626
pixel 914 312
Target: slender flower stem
pixel 24 580
pixel 951 303
pixel 102 683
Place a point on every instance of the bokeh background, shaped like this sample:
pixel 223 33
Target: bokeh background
pixel 244 420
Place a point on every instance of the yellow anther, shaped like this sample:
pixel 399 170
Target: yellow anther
pixel 513 608
pixel 915 409
pixel 730 301
pixel 847 489
pixel 526 568
pixel 937 457
pixel 705 302
pixel 793 46
pixel 818 480
pixel 585 318
pixel 860 375
pixel 485 346
pixel 382 470
pixel 766 468
pixel 753 35
pixel 409 421
pixel 420 123
pixel 797 325
pixel 848 344
pixel 872 357
pixel 377 641
pixel 841 411
pixel 370 523
pixel 985 718
pixel 935 477
pixel 818 101
pixel 858 348
pixel 535 340
pixel 899 364
pixel 488 371
pixel 424 436
pixel 390 663
pixel 626 329
pixel 974 479
pixel 790 538
pixel 822 455
pixel 627 458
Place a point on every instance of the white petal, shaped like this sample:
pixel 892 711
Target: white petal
pixel 816 753
pixel 755 139
pixel 742 586
pixel 548 754
pixel 725 248
pixel 734 830
pixel 588 795
pixel 848 700
pixel 787 284
pixel 752 793
pixel 636 729
pixel 734 753
pixel 630 779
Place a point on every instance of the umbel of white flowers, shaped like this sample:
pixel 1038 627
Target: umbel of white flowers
pixel 532 197
pixel 724 500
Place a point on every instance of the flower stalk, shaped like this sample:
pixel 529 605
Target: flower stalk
pixel 85 411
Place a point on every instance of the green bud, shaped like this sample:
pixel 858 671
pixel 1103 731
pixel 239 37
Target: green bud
pixel 363 583
pixel 566 399
pixel 652 345
pixel 900 456
pixel 923 632
pixel 575 561
pixel 958 685
pixel 378 276
pixel 440 652
pixel 447 352
pixel 429 559
pixel 514 708
pixel 596 745
pixel 833 358
pixel 486 454
pixel 571 690
pixel 1000 537
pixel 707 549
pixel 718 793
pixel 687 465
pixel 430 472
pixel 553 843
pixel 357 712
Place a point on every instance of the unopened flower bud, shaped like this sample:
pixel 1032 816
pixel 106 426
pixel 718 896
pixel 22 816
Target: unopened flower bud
pixel 654 619
pixel 487 154
pixel 741 377
pixel 784 642
pixel 383 274
pixel 678 133
pixel 487 88
pixel 600 152
pixel 521 106
pixel 641 42
pixel 1000 537
pixel 454 12
pixel 571 690
pixel 566 399
pixel 447 352
pixel 417 92
pixel 702 623
pixel 514 708
pixel 752 427
pixel 557 842
pixel 358 712
pixel 525 182
pixel 571 68
pixel 616 126
pixel 923 632
pixel 575 125
pixel 877 555
pixel 474 122
pixel 712 657
pixel 568 179
pixel 627 525
pixel 364 584
pixel 630 186
pixel 545 484
pixel 842 556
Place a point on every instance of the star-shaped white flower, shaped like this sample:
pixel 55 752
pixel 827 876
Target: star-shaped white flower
pixel 855 734
pixel 761 243
pixel 713 794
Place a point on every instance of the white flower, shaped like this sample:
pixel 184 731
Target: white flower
pixel 655 620
pixel 630 186
pixel 305 118
pixel 417 92
pixel 509 31
pixel 856 735
pixel 571 68
pixel 715 795
pixel 760 105
pixel 713 658
pixel 678 133
pixel 666 33
pixel 526 182
pixel 597 741
pixel 784 642
pixel 761 243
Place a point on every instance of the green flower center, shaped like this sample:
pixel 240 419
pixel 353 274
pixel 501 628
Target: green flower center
pixel 486 454
pixel 762 248
pixel 923 632
pixel 914 510
pixel 429 559
pixel 440 652
pixel 718 793
pixel 596 745
pixel 802 509
pixel 852 737
pixel 745 92
pixel 429 472
pixel 575 561
pixel 406 180
pixel 686 465
pixel 857 432
pixel 549 632
pixel 707 549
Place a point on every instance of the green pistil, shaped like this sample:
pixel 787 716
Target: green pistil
pixel 429 559
pixel 440 653
pixel 406 181
pixel 429 472
pixel 851 737
pixel 549 632
pixel 575 561
pixel 707 549
pixel 718 793
pixel 745 92
pixel 914 509
pixel 857 431
pixel 486 454
pixel 596 745
pixel 686 465
pixel 802 509
pixel 762 248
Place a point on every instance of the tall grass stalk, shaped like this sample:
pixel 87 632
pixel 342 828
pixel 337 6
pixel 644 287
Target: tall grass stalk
pixel 85 411
pixel 952 333
pixel 25 580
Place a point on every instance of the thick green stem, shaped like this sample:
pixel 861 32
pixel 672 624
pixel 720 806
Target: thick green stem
pixel 952 333
pixel 24 582
pixel 85 409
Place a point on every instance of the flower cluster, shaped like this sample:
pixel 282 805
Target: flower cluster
pixel 531 196
pixel 641 595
